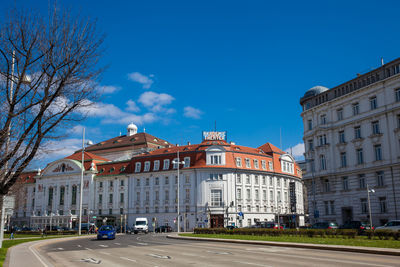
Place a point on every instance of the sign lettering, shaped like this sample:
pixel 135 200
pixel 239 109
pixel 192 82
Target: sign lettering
pixel 214 135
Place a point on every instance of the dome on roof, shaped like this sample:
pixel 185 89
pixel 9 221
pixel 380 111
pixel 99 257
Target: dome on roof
pixel 315 91
pixel 132 129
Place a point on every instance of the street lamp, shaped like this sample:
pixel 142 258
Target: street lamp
pixel 81 185
pixel 369 204
pixel 177 162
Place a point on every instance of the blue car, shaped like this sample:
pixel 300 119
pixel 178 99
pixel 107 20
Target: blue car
pixel 106 232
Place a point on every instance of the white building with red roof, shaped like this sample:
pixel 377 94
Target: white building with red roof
pixel 220 184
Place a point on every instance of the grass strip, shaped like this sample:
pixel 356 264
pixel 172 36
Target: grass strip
pixel 360 241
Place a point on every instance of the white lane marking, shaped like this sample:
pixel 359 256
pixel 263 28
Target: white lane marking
pixel 105 253
pixel 250 263
pixel 91 260
pixel 104 246
pixel 119 244
pixel 156 249
pixel 37 255
pixel 60 248
pixel 142 244
pixel 88 248
pixel 79 246
pixel 128 259
pixel 159 256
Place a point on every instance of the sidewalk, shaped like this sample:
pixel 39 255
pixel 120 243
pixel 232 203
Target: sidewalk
pixel 370 250
pixel 26 254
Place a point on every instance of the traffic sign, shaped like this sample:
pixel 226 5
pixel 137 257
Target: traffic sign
pixel 240 214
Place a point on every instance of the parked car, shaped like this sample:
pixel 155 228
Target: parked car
pixel 325 225
pixel 391 225
pixel 106 232
pixel 271 225
pixel 357 225
pixel 163 229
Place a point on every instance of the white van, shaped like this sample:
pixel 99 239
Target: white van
pixel 141 225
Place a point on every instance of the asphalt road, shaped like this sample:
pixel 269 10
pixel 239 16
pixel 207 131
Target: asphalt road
pixel 157 250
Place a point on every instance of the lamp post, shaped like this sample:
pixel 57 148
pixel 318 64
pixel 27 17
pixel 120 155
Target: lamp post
pixel 369 205
pixel 177 162
pixel 81 184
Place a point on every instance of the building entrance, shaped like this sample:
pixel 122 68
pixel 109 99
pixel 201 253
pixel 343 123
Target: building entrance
pixel 217 220
pixel 347 214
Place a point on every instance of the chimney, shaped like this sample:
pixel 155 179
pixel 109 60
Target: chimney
pixel 188 143
pixel 232 143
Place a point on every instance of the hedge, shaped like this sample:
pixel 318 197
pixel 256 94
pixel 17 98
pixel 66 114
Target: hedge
pixel 70 232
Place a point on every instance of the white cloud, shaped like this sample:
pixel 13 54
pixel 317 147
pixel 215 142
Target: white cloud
pixel 144 80
pixel 191 112
pixel 128 118
pixel 297 150
pixel 100 110
pixel 156 102
pixel 107 89
pixel 59 149
pixel 132 106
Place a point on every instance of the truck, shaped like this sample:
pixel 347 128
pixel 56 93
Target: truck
pixel 141 225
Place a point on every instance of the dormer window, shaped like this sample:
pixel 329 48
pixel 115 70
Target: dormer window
pixel 137 167
pixel 215 160
pixel 112 169
pixel 271 167
pixel 263 165
pixel 156 165
pixel 215 155
pixel 248 164
pixel 166 164
pixel 187 162
pixel 255 162
pixel 147 166
pixel 175 163
pixel 238 162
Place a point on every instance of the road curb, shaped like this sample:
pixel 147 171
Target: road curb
pixel 369 250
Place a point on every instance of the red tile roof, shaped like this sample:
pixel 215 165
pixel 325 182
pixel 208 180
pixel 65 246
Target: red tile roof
pixel 27 177
pixel 87 157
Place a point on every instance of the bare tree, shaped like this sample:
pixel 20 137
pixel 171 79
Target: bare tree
pixel 48 69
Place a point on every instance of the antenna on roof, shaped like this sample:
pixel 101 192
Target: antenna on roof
pixel 382 61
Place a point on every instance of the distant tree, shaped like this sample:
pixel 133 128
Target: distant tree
pixel 48 69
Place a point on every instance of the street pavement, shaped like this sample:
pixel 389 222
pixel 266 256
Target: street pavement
pixel 157 250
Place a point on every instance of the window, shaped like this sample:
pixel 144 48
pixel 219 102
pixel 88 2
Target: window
pixel 255 162
pixel 121 197
pixel 342 138
pixel 121 211
pixel 122 183
pixel 138 196
pixel 238 178
pixel 323 119
pixel 166 164
pixel 239 193
pixel 50 200
pixel 360 156
pixel 326 205
pixel 215 176
pixel 74 190
pixel 332 202
pixel 166 209
pixel 147 166
pixel 187 162
pixel 309 123
pixel 175 163
pixel 378 152
pixel 380 178
pixel 357 132
pixel 322 162
pixel 157 195
pixel 278 197
pixel 100 199
pixel 256 180
pixel 157 181
pixel 111 183
pixel 216 197
pixel 257 208
pixel 356 109
pixel 322 140
pixel 239 162
pixel 247 163
pixel 99 212
pixel 147 196
pixel 138 182
pixel 247 179
pixel 361 179
pixel 156 166
pixel 397 93
pixel 375 127
pixel 187 194
pixel 327 186
pixel 398 121
pixel 137 167
pixel 271 181
pixel 345 183
pixel 62 193
pixel 339 114
pixel 382 204
pixel 343 160
pixel 373 102
pixel 264 180
pixel 271 195
pixel 263 165
pixel 110 211
pixel 248 194
pixel 147 181
pixel 364 205
pixel 216 159
pixel 187 179
pixel 311 145
pixel 257 195
pixel 278 181
pixel 271 167
pixel 249 210
pixel 166 180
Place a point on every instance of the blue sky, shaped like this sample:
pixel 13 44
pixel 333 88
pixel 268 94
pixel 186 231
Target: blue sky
pixel 176 67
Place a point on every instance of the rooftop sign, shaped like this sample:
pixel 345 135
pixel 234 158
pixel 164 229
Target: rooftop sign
pixel 214 135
